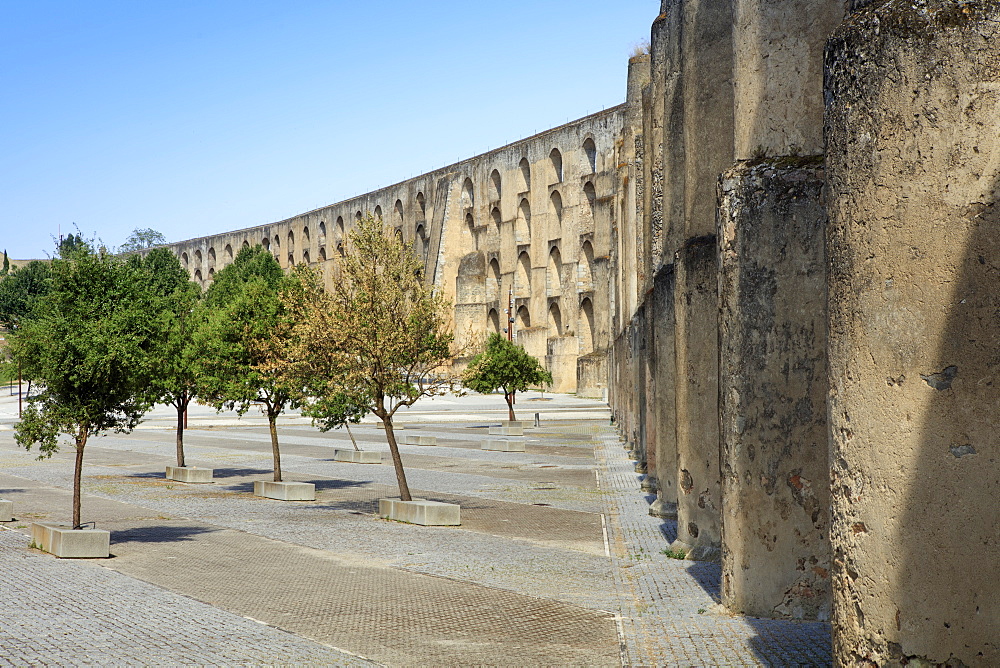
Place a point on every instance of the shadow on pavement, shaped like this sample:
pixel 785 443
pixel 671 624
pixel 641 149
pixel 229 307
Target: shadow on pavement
pixel 708 575
pixel 669 530
pixel 157 534
pixel 320 484
pixel 237 473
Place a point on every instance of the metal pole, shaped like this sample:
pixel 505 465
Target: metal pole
pixel 510 315
pixel 18 390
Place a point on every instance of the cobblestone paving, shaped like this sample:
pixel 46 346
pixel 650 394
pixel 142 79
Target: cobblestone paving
pixel 531 543
pixel 77 613
pixel 670 611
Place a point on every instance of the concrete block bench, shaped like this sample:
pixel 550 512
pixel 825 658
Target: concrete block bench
pixel 504 444
pixel 285 491
pixel 357 456
pixel 6 510
pixel 417 439
pixel 420 511
pixel 191 474
pixel 508 428
pixel 66 542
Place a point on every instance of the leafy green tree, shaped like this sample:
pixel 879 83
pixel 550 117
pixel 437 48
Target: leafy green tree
pixel 6 264
pixel 374 343
pixel 70 243
pixel 86 346
pixel 245 328
pixel 20 290
pixel 177 317
pixel 141 239
pixel 506 366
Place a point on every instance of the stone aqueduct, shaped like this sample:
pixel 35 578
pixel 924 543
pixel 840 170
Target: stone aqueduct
pixel 529 223
pixel 780 260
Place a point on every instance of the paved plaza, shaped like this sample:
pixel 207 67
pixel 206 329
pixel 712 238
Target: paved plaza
pixel 557 561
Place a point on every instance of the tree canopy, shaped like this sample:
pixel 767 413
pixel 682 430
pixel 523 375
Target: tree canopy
pixel 86 347
pixel 506 366
pixel 142 238
pixel 20 291
pixel 245 329
pixel 177 316
pixel 375 342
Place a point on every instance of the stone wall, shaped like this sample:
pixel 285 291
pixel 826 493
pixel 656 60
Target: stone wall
pixel 826 417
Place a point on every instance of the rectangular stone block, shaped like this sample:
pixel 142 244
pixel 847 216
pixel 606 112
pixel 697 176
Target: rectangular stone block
pixel 191 474
pixel 417 439
pixel 67 543
pixel 6 510
pixel 285 491
pixel 504 444
pixel 508 428
pixel 357 456
pixel 420 511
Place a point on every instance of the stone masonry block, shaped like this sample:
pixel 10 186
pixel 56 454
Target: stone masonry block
pixel 357 456
pixel 420 511
pixel 191 474
pixel 508 428
pixel 285 491
pixel 504 444
pixel 6 510
pixel 417 439
pixel 67 543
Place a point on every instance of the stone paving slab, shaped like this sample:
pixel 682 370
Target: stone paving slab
pixel 77 613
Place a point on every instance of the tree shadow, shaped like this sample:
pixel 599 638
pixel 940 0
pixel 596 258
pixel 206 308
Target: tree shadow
pixel 247 487
pixel 158 534
pixel 237 472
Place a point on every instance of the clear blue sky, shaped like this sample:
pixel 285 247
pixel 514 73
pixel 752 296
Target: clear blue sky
pixel 199 116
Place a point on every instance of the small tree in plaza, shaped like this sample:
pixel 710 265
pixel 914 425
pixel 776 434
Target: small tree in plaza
pixel 86 346
pixel 245 329
pixel 177 317
pixel 375 343
pixel 506 366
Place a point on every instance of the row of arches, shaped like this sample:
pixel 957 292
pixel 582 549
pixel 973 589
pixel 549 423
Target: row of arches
pixel 555 175
pixel 522 320
pixel 522 218
pixel 554 276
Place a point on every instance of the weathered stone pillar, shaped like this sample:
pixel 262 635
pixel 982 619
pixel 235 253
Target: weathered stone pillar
pixel 913 157
pixel 662 358
pixel 706 68
pixel 772 377
pixel 699 499
pixel 773 315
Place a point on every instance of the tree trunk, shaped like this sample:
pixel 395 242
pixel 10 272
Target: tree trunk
pixel 181 406
pixel 509 396
pixel 355 443
pixel 81 441
pixel 272 418
pixel 390 435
